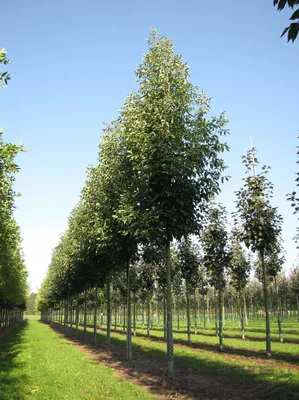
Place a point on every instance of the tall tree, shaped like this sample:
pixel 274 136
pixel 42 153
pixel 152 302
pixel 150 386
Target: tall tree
pixel 260 222
pixel 174 151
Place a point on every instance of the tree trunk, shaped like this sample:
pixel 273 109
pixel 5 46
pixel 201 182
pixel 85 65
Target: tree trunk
pixel 265 289
pixel 245 308
pixel 178 314
pixel 278 312
pixel 216 319
pixel 95 315
pixel 220 302
pixel 115 315
pixel 164 316
pixel 170 363
pixel 297 299
pixel 77 315
pixel 134 314
pixel 188 315
pixel 241 315
pixel 129 323
pixel 195 314
pixel 108 331
pixel 204 312
pixel 148 315
pixel 85 313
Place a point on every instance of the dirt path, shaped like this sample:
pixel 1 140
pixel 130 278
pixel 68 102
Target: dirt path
pixel 186 384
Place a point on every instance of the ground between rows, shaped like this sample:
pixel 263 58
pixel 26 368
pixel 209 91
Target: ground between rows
pixel 149 372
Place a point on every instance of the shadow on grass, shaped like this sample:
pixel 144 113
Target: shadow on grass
pixel 11 380
pixel 209 375
pixel 231 335
pixel 258 354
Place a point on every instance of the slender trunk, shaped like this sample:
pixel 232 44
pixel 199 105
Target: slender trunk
pixel 108 332
pixel 72 310
pixel 195 314
pixel 241 315
pixel 148 315
pixel 297 299
pixel 270 303
pixel 85 313
pixel 164 318
pixel 115 315
pixel 278 312
pixel 188 315
pixel 216 319
pixel 124 317
pixel 129 323
pixel 77 315
pixel 95 315
pixel 204 312
pixel 220 302
pixel 245 307
pixel 178 313
pixel 134 314
pixel 265 289
pixel 170 363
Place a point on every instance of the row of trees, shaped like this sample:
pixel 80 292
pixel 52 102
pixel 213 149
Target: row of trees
pixel 159 171
pixel 13 275
pixel 195 302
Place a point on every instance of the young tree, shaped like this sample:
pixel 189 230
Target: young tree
pixel 239 272
pixel 217 256
pixel 173 150
pixel 260 223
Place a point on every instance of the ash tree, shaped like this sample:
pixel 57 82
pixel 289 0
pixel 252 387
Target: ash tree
pixel 260 223
pixel 173 149
pixel 217 256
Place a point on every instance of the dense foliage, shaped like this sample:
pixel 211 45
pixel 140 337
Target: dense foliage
pixel 13 275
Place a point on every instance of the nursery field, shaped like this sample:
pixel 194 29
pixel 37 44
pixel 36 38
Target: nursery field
pixel 201 371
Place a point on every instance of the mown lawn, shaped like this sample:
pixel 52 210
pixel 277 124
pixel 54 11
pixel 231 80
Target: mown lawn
pixel 37 363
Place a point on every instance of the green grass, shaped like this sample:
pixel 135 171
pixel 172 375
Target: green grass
pixel 254 343
pixel 37 363
pixel 287 349
pixel 277 379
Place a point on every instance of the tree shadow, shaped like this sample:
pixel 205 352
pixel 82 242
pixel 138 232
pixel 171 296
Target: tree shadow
pixel 11 380
pixel 258 354
pixel 197 378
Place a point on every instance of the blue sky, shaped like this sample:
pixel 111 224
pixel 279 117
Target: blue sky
pixel 73 64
